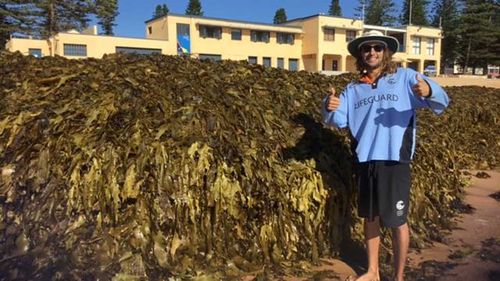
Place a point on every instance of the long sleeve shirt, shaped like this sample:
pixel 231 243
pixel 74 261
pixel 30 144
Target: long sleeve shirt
pixel 382 116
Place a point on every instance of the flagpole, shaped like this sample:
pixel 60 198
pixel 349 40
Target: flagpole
pixel 409 17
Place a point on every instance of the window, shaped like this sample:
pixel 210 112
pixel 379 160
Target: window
pixel 430 46
pixel 335 65
pixel 281 63
pixel 252 60
pixel 183 39
pixel 75 50
pixel 207 31
pixel 182 29
pixel 350 35
pixel 416 45
pixel 37 53
pixel 140 51
pixel 323 65
pixel 293 64
pixel 329 34
pixel 285 38
pixel 235 34
pixel 259 36
pixel 150 29
pixel 266 61
pixel 210 57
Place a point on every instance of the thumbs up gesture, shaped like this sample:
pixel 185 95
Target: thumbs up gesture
pixel 333 102
pixel 421 88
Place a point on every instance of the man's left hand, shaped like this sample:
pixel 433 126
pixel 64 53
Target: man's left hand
pixel 421 88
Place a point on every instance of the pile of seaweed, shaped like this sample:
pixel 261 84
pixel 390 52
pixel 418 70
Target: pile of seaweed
pixel 147 167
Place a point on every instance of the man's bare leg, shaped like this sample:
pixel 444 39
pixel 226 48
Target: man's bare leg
pixel 400 244
pixel 372 241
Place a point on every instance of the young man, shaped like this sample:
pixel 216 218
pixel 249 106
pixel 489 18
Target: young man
pixel 379 110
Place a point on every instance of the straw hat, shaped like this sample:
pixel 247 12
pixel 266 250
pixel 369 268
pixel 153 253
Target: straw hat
pixel 390 42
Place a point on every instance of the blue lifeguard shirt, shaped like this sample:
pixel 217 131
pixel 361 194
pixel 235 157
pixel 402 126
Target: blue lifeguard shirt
pixel 382 115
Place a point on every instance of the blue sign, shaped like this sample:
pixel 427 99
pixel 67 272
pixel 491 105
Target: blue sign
pixel 183 45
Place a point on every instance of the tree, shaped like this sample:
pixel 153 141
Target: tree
pixel 194 8
pixel 45 18
pixel 60 15
pixel 106 11
pixel 495 47
pixel 160 11
pixel 280 16
pixel 414 12
pixel 15 18
pixel 4 34
pixel 479 35
pixel 335 9
pixel 447 18
pixel 359 12
pixel 379 12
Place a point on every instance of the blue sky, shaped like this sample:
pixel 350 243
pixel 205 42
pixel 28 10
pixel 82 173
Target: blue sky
pixel 133 13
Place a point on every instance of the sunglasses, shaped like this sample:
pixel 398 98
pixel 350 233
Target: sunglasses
pixel 368 48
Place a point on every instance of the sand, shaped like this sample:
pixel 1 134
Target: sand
pixel 467 81
pixel 471 231
pixel 458 258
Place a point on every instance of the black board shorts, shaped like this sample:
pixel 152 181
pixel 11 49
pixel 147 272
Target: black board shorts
pixel 384 191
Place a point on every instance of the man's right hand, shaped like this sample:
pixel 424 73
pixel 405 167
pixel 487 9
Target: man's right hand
pixel 333 102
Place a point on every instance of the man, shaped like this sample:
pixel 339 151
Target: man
pixel 379 110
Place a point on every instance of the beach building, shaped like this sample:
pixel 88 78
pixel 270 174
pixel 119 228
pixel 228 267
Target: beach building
pixel 316 43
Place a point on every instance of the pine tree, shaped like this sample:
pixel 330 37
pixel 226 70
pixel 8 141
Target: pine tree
pixel 418 12
pixel 379 12
pixel 60 15
pixel 4 34
pixel 15 18
pixel 335 9
pixel 106 11
pixel 194 8
pixel 165 9
pixel 447 18
pixel 280 16
pixel 479 36
pixel 495 47
pixel 160 11
pixel 5 25
pixel 360 11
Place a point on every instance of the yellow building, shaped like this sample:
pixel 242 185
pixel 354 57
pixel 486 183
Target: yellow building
pixel 210 38
pixel 316 43
pixel 326 37
pixel 73 44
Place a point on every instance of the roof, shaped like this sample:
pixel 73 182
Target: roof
pixel 320 15
pixel 221 19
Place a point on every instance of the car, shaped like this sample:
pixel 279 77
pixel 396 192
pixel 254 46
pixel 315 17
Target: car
pixel 493 72
pixel 430 70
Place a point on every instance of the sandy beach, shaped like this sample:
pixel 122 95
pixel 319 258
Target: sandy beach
pixel 465 254
pixel 467 81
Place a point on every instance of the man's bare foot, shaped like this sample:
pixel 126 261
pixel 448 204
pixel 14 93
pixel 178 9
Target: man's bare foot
pixel 369 276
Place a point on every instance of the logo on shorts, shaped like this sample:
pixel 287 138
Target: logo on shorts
pixel 400 206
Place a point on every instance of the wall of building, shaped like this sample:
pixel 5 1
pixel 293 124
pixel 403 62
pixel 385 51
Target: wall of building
pixel 309 48
pixel 319 53
pixel 341 25
pixel 225 46
pixel 97 46
pixel 158 29
pixel 24 44
pixel 424 33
